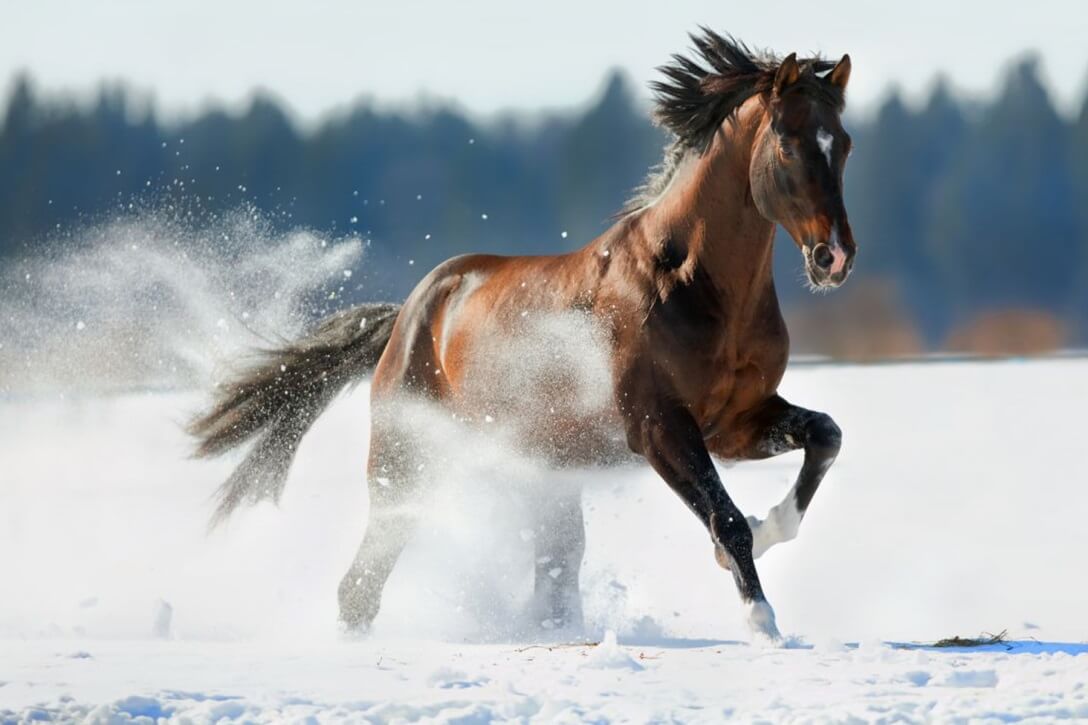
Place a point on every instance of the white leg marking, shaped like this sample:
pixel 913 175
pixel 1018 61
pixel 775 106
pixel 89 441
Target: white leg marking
pixel 781 524
pixel 761 622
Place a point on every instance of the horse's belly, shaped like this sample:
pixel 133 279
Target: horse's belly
pixel 576 441
pixel 548 383
pixel 550 421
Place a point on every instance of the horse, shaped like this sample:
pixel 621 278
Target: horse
pixel 675 303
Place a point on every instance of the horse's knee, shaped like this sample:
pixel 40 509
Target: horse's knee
pixel 732 532
pixel 823 438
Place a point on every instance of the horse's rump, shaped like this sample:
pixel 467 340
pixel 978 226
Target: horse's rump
pixel 501 341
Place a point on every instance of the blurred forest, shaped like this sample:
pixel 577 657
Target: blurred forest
pixel 970 216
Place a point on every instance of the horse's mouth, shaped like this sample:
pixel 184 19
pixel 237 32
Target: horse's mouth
pixel 819 282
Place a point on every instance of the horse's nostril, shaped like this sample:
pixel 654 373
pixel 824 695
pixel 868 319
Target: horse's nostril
pixel 822 257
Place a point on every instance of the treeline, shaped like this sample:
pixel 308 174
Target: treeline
pixel 969 216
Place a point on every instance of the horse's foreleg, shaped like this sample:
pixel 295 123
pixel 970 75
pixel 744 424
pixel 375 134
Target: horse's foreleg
pixel 784 427
pixel 671 441
pixel 560 542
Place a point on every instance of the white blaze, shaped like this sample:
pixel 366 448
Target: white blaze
pixel 825 141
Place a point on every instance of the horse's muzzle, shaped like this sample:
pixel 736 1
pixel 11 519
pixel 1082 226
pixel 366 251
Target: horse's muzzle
pixel 827 264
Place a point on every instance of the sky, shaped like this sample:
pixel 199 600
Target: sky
pixel 497 55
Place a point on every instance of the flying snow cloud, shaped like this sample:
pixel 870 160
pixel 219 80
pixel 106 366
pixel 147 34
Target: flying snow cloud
pixel 145 300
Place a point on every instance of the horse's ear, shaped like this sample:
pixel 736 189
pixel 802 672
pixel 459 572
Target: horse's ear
pixel 840 74
pixel 787 75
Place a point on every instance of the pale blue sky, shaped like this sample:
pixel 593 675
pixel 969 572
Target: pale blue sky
pixel 497 54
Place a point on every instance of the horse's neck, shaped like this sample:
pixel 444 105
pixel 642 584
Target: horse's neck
pixel 708 211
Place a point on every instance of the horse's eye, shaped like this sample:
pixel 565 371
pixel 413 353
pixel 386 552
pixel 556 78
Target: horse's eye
pixel 787 151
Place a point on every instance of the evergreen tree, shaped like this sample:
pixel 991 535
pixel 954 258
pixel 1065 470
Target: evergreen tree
pixel 889 183
pixel 605 154
pixel 1079 161
pixel 1003 228
pixel 961 211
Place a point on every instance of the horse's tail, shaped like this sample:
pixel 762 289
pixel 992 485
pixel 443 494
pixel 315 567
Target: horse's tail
pixel 276 400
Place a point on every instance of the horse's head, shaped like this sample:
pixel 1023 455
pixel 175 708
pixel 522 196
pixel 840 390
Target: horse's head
pixel 797 166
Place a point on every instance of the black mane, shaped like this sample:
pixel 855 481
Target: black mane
pixel 700 92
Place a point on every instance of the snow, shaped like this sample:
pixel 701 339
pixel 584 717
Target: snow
pixel 410 680
pixel 608 655
pixel 956 507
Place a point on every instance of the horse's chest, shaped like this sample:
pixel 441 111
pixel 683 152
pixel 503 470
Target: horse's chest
pixel 721 350
pixel 743 372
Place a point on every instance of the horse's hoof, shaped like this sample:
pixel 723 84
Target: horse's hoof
pixel 353 634
pixel 761 622
pixel 353 627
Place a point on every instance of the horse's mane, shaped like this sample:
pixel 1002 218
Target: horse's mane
pixel 699 93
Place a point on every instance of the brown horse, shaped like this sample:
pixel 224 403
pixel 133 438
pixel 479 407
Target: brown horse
pixel 662 336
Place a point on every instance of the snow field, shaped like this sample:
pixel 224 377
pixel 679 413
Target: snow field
pixel 957 506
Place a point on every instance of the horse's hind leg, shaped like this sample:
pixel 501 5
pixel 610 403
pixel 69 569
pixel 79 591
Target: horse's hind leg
pixel 560 542
pixel 394 511
pixel 783 427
